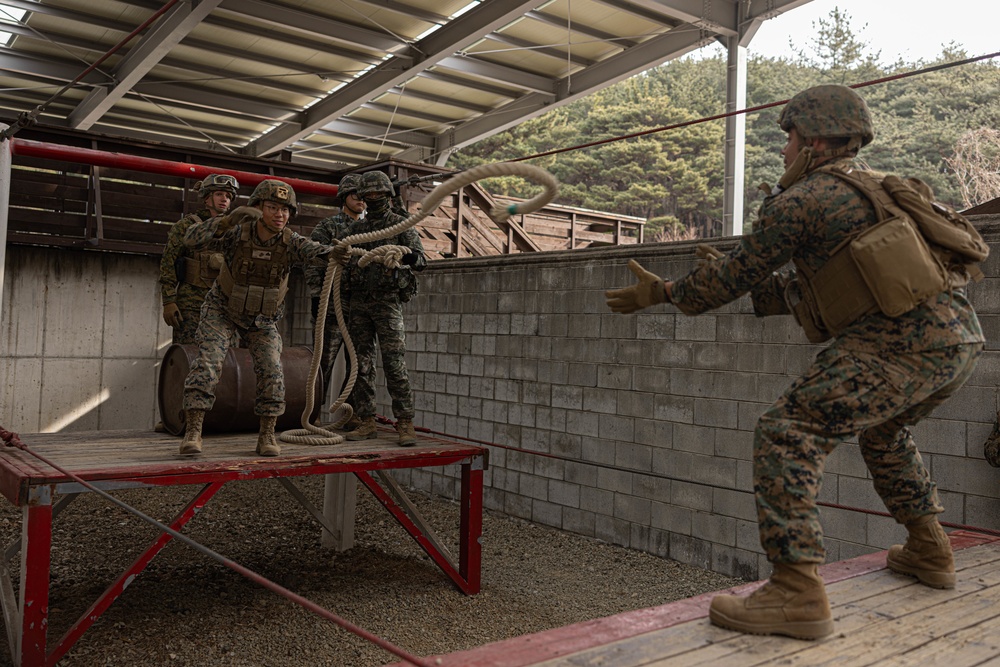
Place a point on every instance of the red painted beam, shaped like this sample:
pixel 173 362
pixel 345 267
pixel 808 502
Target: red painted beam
pixel 39 149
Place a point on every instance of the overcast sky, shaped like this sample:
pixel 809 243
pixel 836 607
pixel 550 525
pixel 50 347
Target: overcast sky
pixel 910 29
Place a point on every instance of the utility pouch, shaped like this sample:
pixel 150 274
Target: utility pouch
pixel 803 307
pixel 898 266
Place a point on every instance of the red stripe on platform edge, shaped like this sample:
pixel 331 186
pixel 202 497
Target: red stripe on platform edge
pixel 541 646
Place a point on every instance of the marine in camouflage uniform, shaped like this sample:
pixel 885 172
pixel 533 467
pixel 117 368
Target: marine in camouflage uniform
pixel 187 274
pixel 377 294
pixel 879 376
pixel 253 236
pixel 328 231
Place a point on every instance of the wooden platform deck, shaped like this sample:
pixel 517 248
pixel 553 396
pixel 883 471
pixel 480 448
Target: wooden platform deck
pixel 109 460
pixel 882 618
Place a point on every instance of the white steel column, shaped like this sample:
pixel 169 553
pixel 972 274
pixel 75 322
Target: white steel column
pixel 6 153
pixel 736 98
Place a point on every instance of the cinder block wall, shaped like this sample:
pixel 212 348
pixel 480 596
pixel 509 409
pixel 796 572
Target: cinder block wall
pixel 652 414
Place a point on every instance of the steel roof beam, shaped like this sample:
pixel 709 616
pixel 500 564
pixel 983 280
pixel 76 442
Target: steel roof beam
pixel 481 86
pixel 466 29
pixel 407 10
pixel 490 70
pixel 366 130
pixel 561 55
pixel 719 16
pixel 167 33
pixel 644 10
pixel 623 42
pixel 438 99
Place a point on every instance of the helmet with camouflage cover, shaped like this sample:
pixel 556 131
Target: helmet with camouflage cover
pixel 375 182
pixel 217 182
pixel 827 111
pixel 275 191
pixel 348 185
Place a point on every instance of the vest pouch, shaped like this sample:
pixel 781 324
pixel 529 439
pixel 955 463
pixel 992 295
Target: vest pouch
pixel 898 266
pixel 803 308
pixel 255 299
pixel 841 292
pixel 237 299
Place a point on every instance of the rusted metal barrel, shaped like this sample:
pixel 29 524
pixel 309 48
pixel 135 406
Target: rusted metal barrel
pixel 237 388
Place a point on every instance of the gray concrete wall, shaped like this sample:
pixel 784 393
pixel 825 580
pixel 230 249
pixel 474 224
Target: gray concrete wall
pixel 654 411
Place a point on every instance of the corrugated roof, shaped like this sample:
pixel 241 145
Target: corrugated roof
pixel 338 83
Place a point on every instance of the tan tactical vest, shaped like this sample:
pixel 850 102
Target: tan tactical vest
pixel 916 250
pixel 202 267
pixel 257 279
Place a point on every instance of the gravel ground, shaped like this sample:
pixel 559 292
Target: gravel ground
pixel 187 609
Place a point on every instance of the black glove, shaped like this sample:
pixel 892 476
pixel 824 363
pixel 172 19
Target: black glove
pixel 410 258
pixel 315 307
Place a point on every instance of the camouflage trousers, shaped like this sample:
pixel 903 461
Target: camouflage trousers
pixel 215 332
pixel 189 300
pixel 846 393
pixel 380 321
pixel 333 340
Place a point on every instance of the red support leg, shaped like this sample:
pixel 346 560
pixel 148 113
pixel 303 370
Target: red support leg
pixel 471 529
pixel 118 587
pixel 36 555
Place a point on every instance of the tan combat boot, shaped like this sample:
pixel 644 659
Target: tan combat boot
pixel 407 436
pixel 267 445
pixel 926 555
pixel 365 431
pixel 193 421
pixel 793 603
pixel 351 424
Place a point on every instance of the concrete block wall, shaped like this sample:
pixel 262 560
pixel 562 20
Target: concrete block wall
pixel 651 415
pixel 648 418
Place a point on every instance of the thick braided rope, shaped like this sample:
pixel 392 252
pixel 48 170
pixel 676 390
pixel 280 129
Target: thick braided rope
pixel 391 256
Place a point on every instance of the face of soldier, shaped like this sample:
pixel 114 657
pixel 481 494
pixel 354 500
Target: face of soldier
pixel 354 204
pixel 275 216
pixel 218 202
pixel 792 148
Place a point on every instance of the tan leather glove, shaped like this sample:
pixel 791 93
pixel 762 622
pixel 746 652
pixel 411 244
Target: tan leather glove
pixel 172 315
pixel 339 253
pixel 707 253
pixel 238 216
pixel 648 291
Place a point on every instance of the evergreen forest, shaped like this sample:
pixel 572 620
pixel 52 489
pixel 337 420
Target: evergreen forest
pixel 943 126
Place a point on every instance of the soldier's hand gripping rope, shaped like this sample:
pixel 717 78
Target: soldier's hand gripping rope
pixel 393 256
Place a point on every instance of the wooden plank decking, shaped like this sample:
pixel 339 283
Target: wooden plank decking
pixel 146 457
pixel 881 619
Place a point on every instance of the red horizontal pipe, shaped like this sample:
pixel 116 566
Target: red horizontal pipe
pixel 28 148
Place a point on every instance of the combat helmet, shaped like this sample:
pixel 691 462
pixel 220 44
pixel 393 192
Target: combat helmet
pixel 278 192
pixel 830 110
pixel 218 182
pixel 373 182
pixel 348 185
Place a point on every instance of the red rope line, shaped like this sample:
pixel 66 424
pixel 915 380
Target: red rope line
pixel 13 440
pixel 761 107
pixel 422 429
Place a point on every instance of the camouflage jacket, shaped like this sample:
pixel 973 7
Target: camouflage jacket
pixel 301 251
pixel 327 231
pixel 375 281
pixel 172 288
pixel 807 222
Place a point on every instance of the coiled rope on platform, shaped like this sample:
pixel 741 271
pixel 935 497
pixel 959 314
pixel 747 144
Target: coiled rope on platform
pixel 391 256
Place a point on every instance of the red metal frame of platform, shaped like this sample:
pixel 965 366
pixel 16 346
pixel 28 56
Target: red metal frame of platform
pixel 137 459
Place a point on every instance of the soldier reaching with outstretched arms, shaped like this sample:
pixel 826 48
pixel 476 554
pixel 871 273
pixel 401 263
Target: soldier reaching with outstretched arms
pixel 248 297
pixel 881 374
